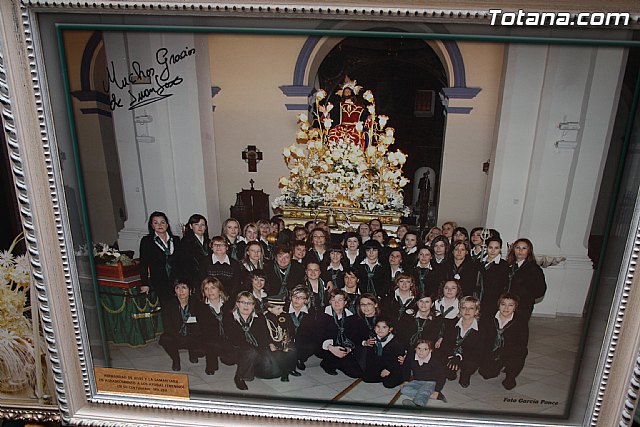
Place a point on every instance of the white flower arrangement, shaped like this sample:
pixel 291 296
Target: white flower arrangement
pixel 105 254
pixel 17 351
pixel 343 173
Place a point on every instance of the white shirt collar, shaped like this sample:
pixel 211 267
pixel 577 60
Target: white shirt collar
pixel 423 361
pixel 496 260
pixel 428 266
pixel 474 325
pixel 217 261
pixel 169 242
pixel 412 250
pixel 329 310
pixel 501 322
pixel 387 341
pixel 366 261
pixel 520 263
pixel 200 238
pixel 339 267
pixel 217 306
pixel 397 295
pixel 236 315
pixel 263 294
pixel 304 309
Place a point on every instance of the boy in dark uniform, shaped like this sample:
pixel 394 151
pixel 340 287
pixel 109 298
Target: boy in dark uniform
pixel 281 333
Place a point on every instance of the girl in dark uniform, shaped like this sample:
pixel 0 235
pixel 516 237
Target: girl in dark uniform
pixel 352 253
pixel 423 274
pixel 209 314
pixel 506 336
pixel 382 359
pixel 253 260
pixel 411 248
pixel 305 324
pixel 335 270
pixel 494 278
pixel 461 348
pixel 395 266
pixel 335 327
pixel 526 279
pixel 440 246
pixel 365 323
pixel 402 301
pixel 424 325
pixel 317 248
pixel 350 280
pixel 257 279
pixel 460 267
pixel 193 249
pixel 180 327
pixel 249 339
pixel 477 252
pixel 235 242
pixel 372 274
pixel 448 303
pixel 318 296
pixel 220 265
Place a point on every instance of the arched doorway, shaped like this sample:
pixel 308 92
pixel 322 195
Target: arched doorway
pixel 406 77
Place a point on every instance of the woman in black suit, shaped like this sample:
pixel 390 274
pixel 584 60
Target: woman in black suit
pixel 526 279
pixel 156 257
pixel 193 248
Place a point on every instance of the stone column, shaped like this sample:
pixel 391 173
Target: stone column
pixel 558 110
pixel 165 142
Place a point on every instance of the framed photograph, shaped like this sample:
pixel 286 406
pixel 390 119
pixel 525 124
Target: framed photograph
pixel 124 119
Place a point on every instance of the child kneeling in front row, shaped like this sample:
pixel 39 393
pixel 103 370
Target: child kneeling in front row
pixel 425 374
pixel 382 359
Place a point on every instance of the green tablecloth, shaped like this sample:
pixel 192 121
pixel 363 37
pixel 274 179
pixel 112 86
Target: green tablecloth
pixel 129 317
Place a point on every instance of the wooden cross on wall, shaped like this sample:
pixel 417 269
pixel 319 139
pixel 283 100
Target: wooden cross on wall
pixel 252 156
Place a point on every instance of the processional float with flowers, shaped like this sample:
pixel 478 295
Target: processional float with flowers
pixel 343 171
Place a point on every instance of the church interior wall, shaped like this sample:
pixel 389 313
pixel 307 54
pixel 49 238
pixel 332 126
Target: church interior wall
pixel 469 138
pixel 102 189
pixel 250 109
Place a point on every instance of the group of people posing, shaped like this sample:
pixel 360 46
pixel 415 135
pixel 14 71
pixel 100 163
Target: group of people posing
pixel 420 309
